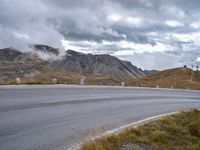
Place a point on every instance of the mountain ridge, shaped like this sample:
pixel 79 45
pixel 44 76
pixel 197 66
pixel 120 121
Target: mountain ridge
pixel 14 63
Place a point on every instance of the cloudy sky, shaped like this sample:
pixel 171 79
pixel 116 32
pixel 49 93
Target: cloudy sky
pixel 152 34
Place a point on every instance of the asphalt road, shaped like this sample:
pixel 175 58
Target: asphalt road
pixel 57 117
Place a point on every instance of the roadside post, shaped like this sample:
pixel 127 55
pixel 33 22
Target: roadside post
pixel 55 81
pixel 82 81
pixel 18 81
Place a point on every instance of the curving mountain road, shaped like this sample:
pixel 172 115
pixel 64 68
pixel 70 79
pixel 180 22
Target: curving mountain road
pixel 57 117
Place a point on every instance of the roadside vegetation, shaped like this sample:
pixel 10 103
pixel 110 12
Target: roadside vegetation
pixel 178 78
pixel 176 132
pixel 62 77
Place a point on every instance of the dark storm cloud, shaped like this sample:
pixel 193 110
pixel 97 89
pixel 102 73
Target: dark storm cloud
pixel 174 24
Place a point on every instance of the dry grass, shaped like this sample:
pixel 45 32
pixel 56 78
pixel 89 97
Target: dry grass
pixel 63 77
pixel 182 78
pixel 175 132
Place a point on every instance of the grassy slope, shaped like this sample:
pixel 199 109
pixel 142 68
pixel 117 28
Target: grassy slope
pixel 64 77
pixel 175 132
pixel 182 78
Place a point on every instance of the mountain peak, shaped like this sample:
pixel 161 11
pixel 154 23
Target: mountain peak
pixel 46 49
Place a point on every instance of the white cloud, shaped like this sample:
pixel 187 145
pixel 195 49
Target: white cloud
pixel 195 25
pixel 21 35
pixel 150 61
pixel 198 59
pixel 134 21
pixel 67 45
pixel 174 23
pixel 123 53
pixel 173 11
pixel 125 46
pixel 81 46
pixel 114 17
pixel 192 40
pixel 141 48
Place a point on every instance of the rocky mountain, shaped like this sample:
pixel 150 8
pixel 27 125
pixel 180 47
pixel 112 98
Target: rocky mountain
pixel 99 65
pixel 14 63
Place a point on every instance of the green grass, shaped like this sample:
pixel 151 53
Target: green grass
pixel 176 132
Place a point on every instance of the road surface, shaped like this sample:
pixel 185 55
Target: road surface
pixel 57 117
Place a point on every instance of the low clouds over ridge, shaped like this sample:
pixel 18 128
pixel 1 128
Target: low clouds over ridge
pixel 141 31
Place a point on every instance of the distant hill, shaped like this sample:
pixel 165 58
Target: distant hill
pixel 44 63
pixel 181 78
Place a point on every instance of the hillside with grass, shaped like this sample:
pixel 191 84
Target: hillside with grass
pixel 61 76
pixel 176 132
pixel 180 78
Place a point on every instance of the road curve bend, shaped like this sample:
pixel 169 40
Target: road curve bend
pixel 58 117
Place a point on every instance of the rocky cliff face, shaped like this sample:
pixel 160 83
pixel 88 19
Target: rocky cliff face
pixel 14 63
pixel 99 65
